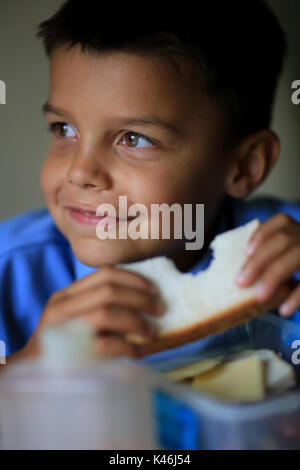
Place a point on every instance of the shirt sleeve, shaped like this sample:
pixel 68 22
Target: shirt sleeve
pixel 11 332
pixel 28 277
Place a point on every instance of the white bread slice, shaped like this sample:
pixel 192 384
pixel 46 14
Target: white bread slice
pixel 206 303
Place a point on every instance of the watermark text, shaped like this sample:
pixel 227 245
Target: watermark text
pixel 296 93
pixel 165 222
pixel 2 92
pixel 2 352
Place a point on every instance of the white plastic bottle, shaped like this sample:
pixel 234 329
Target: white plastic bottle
pixel 70 399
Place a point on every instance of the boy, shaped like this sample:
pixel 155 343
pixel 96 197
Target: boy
pixel 194 91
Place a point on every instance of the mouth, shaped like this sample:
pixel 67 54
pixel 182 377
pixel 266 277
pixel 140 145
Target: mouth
pixel 85 216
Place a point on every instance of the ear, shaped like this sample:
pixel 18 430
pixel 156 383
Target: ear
pixel 252 161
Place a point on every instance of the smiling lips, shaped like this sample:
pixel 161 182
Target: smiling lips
pixel 87 216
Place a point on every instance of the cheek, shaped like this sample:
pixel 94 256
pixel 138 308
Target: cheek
pixel 160 189
pixel 173 184
pixel 193 183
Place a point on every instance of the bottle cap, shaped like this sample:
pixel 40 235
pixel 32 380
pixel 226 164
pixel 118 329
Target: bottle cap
pixel 67 345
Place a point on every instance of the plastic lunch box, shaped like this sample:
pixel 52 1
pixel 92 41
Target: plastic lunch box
pixel 189 420
pixel 118 404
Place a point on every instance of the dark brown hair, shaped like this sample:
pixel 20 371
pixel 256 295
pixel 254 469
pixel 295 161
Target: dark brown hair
pixel 238 45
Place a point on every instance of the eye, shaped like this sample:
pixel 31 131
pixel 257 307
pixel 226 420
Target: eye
pixel 132 140
pixel 62 129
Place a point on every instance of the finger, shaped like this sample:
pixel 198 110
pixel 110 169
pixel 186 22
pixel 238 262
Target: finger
pixel 111 273
pixel 119 296
pixel 291 304
pixel 267 229
pixel 279 271
pixel 120 320
pixel 257 263
pixel 109 295
pixel 114 346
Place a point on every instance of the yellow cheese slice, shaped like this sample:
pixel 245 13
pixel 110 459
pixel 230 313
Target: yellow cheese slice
pixel 240 380
pixel 191 370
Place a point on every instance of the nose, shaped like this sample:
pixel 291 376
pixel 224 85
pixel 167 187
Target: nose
pixel 89 169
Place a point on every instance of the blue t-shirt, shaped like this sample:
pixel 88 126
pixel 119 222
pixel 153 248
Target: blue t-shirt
pixel 36 260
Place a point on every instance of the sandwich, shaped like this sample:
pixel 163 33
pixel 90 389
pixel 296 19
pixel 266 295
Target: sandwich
pixel 207 303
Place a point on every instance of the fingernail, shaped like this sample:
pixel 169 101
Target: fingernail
pixel 261 291
pixel 136 338
pixel 250 248
pixel 242 276
pixel 286 308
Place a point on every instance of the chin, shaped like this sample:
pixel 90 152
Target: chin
pixel 97 254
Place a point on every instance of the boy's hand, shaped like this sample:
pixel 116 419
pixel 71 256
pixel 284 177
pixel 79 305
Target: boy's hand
pixel 274 257
pixel 111 301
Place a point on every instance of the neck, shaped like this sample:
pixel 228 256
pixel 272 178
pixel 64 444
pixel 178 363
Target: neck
pixel 185 259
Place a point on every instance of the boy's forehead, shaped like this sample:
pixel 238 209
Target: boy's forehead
pixel 149 78
pixel 152 66
pixel 102 87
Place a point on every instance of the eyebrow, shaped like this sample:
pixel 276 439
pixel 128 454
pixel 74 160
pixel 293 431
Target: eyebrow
pixel 146 121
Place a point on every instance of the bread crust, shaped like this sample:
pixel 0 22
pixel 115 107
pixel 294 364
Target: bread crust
pixel 240 313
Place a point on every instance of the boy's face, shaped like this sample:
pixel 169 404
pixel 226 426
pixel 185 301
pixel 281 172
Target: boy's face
pixel 96 156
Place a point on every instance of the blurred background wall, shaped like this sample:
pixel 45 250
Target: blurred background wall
pixel 23 135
